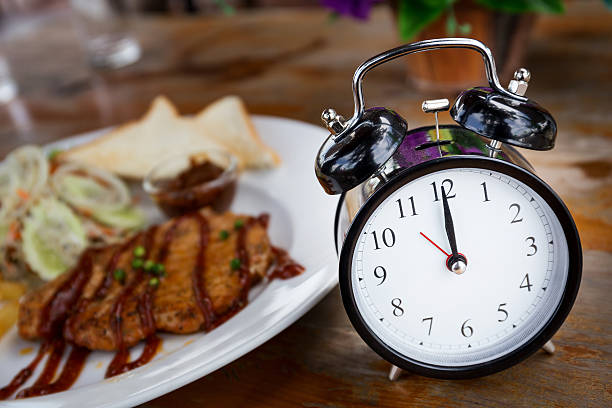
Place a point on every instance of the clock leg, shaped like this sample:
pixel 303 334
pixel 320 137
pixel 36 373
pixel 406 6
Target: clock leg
pixel 549 347
pixel 394 373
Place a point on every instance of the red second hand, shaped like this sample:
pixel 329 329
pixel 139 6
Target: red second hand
pixel 434 244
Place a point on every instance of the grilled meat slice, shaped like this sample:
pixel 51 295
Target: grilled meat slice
pixel 107 304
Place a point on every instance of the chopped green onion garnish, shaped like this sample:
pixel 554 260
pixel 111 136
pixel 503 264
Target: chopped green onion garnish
pixel 235 264
pixel 139 251
pixel 154 282
pixel 159 269
pixel 149 265
pixel 119 275
pixel 238 224
pixel 54 153
pixel 223 235
pixel 137 263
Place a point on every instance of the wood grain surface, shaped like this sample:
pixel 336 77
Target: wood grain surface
pixel 295 63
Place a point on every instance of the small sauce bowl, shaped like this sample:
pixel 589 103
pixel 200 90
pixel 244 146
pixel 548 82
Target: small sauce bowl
pixel 186 183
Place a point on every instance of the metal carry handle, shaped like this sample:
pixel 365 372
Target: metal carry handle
pixel 427 45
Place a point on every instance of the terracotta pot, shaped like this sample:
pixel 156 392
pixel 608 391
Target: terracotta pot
pixel 456 69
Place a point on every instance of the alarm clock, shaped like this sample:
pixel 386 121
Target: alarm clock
pixel 456 260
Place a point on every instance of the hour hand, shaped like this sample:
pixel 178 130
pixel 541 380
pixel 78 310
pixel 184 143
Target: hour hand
pixel 456 262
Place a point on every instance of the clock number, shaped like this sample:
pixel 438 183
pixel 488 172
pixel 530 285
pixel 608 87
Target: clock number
pixel 399 203
pixel 484 188
pixel 525 283
pixel 504 311
pixel 430 324
pixel 388 238
pixel 401 208
pixel 466 331
pixel 518 210
pixel 382 275
pixel 397 309
pixel 412 205
pixel 532 245
pixel 446 190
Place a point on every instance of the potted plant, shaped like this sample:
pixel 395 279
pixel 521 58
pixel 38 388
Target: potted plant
pixel 503 25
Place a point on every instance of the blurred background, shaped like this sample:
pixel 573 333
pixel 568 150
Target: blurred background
pixel 67 66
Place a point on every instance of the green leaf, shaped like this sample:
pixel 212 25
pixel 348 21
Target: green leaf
pixel 465 29
pixel 415 15
pixel 608 4
pixel 525 6
pixel 451 24
pixel 225 8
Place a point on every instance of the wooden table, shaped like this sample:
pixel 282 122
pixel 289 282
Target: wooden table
pixel 294 63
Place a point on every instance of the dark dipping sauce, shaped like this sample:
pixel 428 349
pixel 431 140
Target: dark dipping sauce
pixel 202 184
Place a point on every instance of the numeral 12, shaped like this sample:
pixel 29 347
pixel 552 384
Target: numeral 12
pixel 448 189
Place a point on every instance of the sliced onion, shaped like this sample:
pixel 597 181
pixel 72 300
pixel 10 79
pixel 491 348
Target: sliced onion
pixel 31 168
pixel 8 192
pixel 7 180
pixel 116 194
pixel 24 175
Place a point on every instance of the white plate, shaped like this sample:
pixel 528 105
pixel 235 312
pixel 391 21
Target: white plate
pixel 301 222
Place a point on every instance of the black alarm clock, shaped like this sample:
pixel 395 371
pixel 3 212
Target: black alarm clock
pixel 456 260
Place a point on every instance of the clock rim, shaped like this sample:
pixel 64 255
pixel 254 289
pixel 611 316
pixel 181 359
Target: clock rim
pixel 515 356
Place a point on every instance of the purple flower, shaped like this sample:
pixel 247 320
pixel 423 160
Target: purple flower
pixel 359 9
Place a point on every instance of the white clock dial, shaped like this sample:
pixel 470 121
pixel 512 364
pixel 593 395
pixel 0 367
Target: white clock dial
pixel 517 266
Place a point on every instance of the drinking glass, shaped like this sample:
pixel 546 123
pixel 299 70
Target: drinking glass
pixel 8 86
pixel 103 27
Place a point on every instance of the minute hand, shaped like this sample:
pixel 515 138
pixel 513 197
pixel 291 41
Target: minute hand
pixel 448 224
pixel 456 262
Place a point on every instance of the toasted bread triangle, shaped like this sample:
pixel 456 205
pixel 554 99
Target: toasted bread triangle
pixel 132 149
pixel 228 123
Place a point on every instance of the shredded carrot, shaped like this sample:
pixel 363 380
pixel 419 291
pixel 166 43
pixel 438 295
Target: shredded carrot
pixel 106 231
pixel 53 165
pixel 14 232
pixel 23 194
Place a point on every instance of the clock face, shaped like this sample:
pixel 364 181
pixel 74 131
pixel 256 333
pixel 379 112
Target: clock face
pixel 509 254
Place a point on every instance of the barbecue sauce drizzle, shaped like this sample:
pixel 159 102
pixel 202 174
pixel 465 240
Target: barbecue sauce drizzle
pixel 197 276
pixel 102 287
pixel 57 351
pixel 285 267
pixel 55 318
pixel 120 363
pixel 25 373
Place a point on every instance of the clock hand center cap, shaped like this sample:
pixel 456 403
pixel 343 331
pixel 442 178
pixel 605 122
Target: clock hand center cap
pixel 456 263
